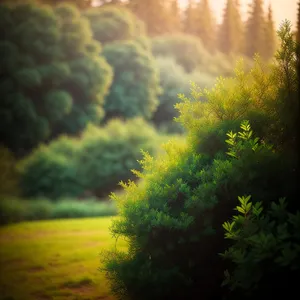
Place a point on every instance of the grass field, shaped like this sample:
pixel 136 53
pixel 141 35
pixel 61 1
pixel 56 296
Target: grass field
pixel 54 259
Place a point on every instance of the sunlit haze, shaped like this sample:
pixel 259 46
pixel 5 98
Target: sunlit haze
pixel 283 9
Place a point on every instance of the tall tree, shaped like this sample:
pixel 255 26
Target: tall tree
pixel 254 39
pixel 205 27
pixel 270 34
pixel 230 32
pixel 189 21
pixel 175 16
pixel 154 13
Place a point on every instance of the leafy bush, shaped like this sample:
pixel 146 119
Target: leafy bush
pixel 135 86
pixel 94 162
pixel 51 171
pixel 264 251
pixel 9 179
pixel 54 80
pixel 174 81
pixel 14 210
pixel 173 222
pixel 108 155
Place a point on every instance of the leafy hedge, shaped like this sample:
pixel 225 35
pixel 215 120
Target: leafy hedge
pixel 95 162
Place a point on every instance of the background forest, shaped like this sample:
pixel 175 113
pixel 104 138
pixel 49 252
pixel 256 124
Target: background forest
pixel 166 122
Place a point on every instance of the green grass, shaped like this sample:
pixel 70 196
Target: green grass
pixel 54 259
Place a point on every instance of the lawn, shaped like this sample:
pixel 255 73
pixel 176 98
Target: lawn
pixel 54 259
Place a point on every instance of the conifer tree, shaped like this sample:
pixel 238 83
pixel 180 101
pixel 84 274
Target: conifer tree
pixel 154 13
pixel 190 18
pixel 270 42
pixel 254 39
pixel 205 27
pixel 230 32
pixel 175 17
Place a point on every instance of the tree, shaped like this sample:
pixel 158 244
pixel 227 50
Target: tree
pixel 269 42
pixel 254 40
pixel 190 18
pixel 205 27
pixel 113 23
pixel 298 24
pixel 53 78
pixel 230 32
pixel 81 4
pixel 175 16
pixel 154 13
pixel 135 85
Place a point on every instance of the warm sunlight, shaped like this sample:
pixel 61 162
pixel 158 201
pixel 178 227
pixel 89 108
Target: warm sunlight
pixel 283 9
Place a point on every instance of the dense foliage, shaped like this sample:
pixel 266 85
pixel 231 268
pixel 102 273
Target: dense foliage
pixel 173 222
pixel 135 85
pixel 54 80
pixel 112 23
pixel 94 162
pixel 265 249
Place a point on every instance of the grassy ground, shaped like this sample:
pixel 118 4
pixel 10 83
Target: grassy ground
pixel 54 259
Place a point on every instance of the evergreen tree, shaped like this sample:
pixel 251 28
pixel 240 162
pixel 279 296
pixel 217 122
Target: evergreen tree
pixel 254 42
pixel 189 22
pixel 230 33
pixel 205 27
pixel 269 44
pixel 175 16
pixel 154 13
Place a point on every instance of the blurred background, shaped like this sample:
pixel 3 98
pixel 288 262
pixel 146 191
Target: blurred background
pixel 85 85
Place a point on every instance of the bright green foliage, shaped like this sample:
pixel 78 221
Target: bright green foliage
pixel 173 220
pixel 254 38
pixel 264 251
pixel 95 162
pixel 113 23
pixel 54 79
pixel 9 178
pixel 174 81
pixel 135 85
pixel 270 37
pixel 231 30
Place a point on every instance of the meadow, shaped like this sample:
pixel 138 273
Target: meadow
pixel 36 261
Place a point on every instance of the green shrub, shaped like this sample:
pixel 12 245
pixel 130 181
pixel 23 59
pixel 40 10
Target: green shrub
pixel 95 162
pixel 51 171
pixel 174 81
pixel 173 222
pixel 108 155
pixel 14 210
pixel 264 250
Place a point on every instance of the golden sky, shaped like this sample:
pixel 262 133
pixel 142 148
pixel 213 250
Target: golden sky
pixel 282 9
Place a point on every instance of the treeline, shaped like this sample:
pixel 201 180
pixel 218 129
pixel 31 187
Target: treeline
pixel 256 35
